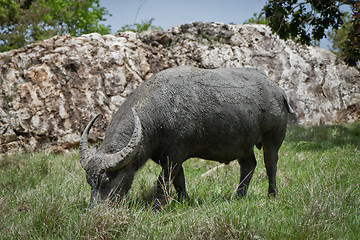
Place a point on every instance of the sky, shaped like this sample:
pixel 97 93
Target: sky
pixel 171 13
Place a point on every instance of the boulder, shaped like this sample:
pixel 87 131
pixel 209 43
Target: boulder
pixel 51 89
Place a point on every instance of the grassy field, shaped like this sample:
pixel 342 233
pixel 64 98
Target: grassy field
pixel 45 196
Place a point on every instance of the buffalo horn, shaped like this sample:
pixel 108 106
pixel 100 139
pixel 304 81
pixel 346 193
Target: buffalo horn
pixel 84 153
pixel 124 157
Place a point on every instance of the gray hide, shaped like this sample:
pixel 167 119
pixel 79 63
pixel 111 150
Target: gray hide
pixel 186 112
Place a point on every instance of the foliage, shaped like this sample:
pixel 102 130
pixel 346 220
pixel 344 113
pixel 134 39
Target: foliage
pixel 351 50
pixel 26 21
pixel 45 196
pixel 257 19
pixel 140 27
pixel 302 20
pixel 308 20
pixel 339 36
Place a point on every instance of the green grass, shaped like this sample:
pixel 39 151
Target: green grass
pixel 45 196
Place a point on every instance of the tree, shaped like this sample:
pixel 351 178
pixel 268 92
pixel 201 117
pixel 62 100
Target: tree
pixel 339 36
pixel 140 27
pixel 26 21
pixel 307 21
pixel 351 46
pixel 257 19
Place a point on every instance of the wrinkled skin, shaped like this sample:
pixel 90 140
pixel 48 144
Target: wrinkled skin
pixel 187 112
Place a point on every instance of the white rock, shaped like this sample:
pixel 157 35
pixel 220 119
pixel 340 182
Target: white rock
pixel 51 89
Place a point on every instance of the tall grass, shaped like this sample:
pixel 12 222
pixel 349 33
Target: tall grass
pixel 45 196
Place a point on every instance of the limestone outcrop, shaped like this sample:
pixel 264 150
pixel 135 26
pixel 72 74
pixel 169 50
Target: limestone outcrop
pixel 51 89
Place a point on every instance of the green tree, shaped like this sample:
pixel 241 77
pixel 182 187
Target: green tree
pixel 26 21
pixel 140 27
pixel 257 19
pixel 338 37
pixel 351 46
pixel 307 21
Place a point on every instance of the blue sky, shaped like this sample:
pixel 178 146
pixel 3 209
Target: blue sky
pixel 171 13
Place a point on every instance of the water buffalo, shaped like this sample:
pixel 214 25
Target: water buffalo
pixel 186 112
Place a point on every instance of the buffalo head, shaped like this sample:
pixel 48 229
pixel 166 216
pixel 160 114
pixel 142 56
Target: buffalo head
pixel 109 175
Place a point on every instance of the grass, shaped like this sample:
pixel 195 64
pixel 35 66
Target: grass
pixel 45 196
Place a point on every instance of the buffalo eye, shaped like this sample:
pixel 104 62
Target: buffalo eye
pixel 104 178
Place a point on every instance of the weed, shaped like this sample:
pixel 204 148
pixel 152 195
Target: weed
pixel 45 196
pixel 6 59
pixel 6 102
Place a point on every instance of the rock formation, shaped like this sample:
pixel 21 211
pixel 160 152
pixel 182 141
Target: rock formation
pixel 51 89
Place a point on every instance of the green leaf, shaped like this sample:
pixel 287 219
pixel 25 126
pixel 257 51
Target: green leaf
pixel 46 18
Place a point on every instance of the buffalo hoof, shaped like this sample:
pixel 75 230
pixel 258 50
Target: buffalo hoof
pixel 241 192
pixel 158 206
pixel 272 194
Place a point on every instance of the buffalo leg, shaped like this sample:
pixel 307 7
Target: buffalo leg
pixel 166 177
pixel 179 184
pixel 247 167
pixel 271 159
